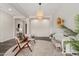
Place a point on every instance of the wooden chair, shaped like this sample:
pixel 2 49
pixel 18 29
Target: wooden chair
pixel 22 44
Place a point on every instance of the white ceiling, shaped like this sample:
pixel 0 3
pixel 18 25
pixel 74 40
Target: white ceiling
pixel 29 9
pixel 5 8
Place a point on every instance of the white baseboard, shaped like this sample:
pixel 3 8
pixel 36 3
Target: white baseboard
pixel 6 40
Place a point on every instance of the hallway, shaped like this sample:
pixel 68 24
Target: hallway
pixel 40 48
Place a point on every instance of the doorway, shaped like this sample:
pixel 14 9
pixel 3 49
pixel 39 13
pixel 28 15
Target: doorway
pixel 22 24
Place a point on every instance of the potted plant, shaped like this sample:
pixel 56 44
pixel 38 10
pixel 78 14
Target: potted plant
pixel 74 44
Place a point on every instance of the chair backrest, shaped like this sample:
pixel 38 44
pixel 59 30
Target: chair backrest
pixel 20 36
pixel 25 38
pixel 17 41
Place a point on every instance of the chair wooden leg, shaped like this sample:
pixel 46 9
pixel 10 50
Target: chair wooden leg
pixel 25 45
pixel 29 48
pixel 14 49
pixel 18 52
pixel 22 48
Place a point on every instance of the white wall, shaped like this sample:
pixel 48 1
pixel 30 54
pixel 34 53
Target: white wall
pixel 40 28
pixel 68 13
pixel 6 26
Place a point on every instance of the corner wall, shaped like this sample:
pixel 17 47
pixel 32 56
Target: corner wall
pixel 6 26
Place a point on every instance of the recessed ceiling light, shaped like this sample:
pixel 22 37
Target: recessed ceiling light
pixel 9 9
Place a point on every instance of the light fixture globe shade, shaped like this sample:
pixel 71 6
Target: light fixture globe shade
pixel 39 13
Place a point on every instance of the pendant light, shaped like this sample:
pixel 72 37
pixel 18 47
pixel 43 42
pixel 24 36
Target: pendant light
pixel 39 13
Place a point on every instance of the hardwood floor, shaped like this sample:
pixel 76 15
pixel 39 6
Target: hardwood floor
pixel 4 46
pixel 40 48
